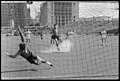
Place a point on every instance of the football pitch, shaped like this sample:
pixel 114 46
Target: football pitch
pixel 87 59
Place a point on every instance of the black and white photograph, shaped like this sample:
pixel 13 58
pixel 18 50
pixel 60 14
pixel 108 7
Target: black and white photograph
pixel 59 40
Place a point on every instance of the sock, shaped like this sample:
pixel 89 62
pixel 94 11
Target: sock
pixel 48 63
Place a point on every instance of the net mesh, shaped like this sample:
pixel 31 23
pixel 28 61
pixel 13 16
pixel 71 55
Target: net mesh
pixel 86 59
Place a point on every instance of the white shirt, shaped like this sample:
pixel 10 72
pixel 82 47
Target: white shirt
pixel 103 32
pixel 28 33
pixel 56 31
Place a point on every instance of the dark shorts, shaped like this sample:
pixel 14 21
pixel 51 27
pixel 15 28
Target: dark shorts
pixel 32 58
pixel 55 36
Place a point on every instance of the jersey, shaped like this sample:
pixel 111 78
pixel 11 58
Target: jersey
pixel 22 46
pixel 104 33
pixel 28 34
pixel 69 32
pixel 25 55
pixel 55 31
pixel 29 56
pixel 22 51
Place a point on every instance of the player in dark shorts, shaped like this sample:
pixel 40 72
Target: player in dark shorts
pixel 26 53
pixel 41 34
pixel 55 36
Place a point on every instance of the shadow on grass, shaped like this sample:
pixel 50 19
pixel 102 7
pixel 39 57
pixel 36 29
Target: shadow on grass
pixel 35 70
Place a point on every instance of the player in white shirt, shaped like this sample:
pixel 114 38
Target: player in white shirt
pixel 28 36
pixel 69 32
pixel 104 37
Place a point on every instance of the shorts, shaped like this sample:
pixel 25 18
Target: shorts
pixel 32 58
pixel 27 38
pixel 55 36
pixel 104 36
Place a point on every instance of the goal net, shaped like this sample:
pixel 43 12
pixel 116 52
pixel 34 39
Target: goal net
pixel 85 57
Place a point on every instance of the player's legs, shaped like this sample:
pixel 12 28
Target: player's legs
pixel 57 43
pixel 39 61
pixel 59 39
pixel 26 40
pixel 33 59
pixel 104 40
pixel 41 37
pixel 29 40
pixel 51 39
pixel 66 35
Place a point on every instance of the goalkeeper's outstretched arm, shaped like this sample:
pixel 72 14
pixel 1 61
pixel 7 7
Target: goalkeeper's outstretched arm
pixel 22 37
pixel 13 56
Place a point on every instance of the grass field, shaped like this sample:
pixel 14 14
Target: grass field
pixel 87 59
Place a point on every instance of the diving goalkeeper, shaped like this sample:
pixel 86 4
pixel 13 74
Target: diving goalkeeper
pixel 26 53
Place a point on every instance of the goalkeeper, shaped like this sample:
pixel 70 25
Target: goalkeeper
pixel 26 53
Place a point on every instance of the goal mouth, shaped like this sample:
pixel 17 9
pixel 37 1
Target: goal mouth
pixel 84 54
